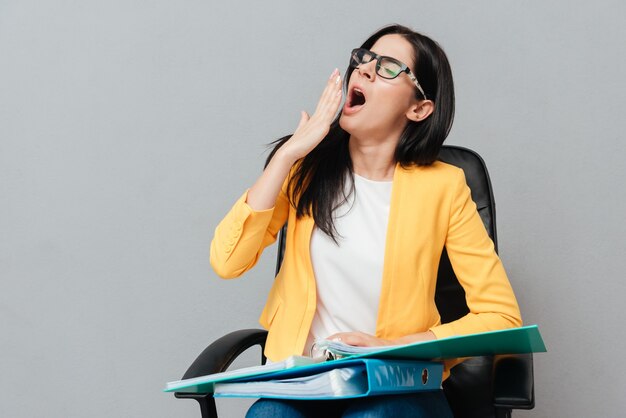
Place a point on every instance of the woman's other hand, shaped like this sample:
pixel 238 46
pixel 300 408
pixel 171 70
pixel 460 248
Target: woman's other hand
pixel 361 339
pixel 311 130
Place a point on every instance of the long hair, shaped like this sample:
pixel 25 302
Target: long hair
pixel 317 184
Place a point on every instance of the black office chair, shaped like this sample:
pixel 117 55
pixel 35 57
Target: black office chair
pixel 480 387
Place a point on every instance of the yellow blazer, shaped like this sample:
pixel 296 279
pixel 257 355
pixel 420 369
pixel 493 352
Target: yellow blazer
pixel 431 207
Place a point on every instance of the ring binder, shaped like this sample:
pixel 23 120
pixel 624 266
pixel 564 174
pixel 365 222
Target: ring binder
pixel 350 378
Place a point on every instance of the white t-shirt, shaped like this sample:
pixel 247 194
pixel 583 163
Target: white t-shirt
pixel 349 275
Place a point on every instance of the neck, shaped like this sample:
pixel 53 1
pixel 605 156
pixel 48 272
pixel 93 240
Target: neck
pixel 373 159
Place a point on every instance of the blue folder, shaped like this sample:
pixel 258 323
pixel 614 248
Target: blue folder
pixel 350 378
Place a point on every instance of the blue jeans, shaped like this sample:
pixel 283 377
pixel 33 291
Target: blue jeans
pixel 415 405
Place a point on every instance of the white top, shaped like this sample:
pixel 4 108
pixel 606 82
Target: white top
pixel 349 276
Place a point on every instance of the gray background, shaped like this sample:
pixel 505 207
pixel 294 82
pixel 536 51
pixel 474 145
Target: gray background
pixel 128 129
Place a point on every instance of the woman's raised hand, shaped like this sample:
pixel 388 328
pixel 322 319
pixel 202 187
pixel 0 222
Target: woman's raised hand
pixel 311 130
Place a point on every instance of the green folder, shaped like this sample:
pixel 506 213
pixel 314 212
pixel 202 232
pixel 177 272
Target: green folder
pixel 509 341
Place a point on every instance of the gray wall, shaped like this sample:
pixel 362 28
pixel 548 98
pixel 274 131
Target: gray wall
pixel 128 129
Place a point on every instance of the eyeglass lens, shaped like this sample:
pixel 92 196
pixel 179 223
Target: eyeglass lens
pixel 386 67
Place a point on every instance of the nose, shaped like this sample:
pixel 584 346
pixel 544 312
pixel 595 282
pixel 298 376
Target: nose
pixel 368 70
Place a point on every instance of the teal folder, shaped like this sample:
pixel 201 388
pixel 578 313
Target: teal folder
pixel 204 384
pixel 350 378
pixel 509 341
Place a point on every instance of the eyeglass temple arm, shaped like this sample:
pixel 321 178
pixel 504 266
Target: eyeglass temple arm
pixel 417 84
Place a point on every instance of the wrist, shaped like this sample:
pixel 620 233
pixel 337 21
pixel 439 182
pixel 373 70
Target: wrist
pixel 415 338
pixel 284 156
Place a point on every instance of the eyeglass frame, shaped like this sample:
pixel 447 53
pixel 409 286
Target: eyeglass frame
pixel 403 67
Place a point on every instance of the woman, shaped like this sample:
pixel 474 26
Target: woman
pixel 369 210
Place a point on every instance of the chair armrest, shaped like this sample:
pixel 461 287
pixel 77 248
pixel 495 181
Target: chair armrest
pixel 223 351
pixel 514 381
pixel 216 358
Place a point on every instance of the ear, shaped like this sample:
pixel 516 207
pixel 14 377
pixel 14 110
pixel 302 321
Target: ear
pixel 420 110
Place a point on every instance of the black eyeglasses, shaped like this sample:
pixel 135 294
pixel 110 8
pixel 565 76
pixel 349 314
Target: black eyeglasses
pixel 386 67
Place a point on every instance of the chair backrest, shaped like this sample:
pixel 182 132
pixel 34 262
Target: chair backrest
pixel 469 387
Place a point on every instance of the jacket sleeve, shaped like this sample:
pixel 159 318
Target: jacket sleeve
pixel 243 234
pixel 490 298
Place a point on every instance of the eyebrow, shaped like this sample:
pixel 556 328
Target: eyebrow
pixel 387 56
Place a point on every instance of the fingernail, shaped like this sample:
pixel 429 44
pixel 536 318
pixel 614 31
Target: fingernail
pixel 337 80
pixel 333 74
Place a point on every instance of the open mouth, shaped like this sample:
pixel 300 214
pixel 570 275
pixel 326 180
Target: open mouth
pixel 356 99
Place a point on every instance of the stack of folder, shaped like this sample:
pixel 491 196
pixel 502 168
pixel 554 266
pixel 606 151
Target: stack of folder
pixel 361 371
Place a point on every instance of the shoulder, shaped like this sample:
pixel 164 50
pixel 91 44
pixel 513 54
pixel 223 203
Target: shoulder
pixel 436 174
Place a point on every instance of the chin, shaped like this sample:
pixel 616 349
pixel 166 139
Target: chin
pixel 347 124
pixel 356 126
